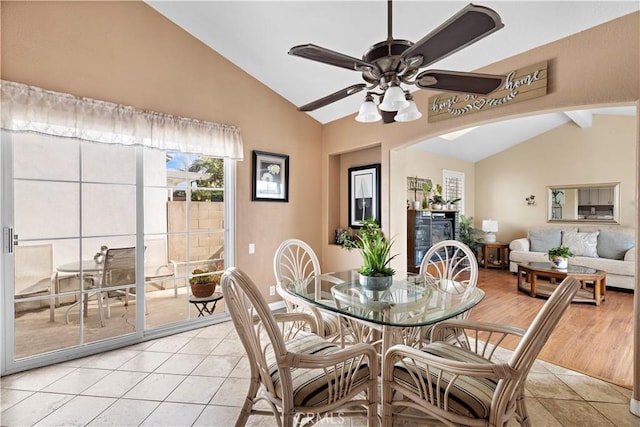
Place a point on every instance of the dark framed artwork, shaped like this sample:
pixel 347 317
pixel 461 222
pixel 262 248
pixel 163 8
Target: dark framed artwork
pixel 270 177
pixel 364 194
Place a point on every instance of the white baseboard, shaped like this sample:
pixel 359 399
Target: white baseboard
pixel 275 306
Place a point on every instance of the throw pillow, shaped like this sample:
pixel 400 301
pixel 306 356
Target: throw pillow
pixel 543 239
pixel 581 244
pixel 614 245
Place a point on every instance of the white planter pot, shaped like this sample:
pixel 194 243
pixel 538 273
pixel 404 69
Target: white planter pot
pixel 417 205
pixel 559 262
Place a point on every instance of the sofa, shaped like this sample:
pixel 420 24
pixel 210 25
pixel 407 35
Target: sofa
pixel 609 248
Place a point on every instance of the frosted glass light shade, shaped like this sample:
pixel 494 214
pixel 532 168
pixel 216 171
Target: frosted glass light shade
pixel 408 114
pixel 394 99
pixel 368 113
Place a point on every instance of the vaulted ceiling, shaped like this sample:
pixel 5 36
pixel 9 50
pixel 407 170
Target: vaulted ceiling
pixel 256 36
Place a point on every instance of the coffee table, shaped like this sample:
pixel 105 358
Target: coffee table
pixel 533 270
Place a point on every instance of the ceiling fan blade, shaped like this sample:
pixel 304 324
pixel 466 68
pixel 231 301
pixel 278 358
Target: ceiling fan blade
pixel 336 96
pixel 327 56
pixel 469 25
pixel 455 81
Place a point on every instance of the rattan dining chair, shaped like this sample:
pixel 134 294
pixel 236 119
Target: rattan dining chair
pixel 306 376
pixel 452 266
pixel 463 383
pixel 295 260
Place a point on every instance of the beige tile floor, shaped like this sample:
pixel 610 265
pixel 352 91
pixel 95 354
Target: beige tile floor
pixel 199 378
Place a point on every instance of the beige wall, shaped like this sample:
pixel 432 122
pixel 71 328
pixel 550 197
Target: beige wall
pixel 126 52
pixel 567 155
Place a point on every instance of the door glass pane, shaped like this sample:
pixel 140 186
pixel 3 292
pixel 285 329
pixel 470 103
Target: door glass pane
pixel 37 156
pixel 39 204
pixel 42 296
pixel 108 209
pixel 111 163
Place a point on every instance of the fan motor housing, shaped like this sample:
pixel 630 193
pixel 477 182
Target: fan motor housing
pixel 386 56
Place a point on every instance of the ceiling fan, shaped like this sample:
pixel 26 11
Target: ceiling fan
pixel 392 62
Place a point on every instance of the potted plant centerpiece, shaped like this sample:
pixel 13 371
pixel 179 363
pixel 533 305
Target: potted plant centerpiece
pixel 559 256
pixel 375 273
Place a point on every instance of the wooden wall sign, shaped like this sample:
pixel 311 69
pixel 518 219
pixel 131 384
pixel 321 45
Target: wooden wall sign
pixel 520 85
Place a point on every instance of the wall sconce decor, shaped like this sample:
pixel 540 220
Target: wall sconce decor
pixel 531 200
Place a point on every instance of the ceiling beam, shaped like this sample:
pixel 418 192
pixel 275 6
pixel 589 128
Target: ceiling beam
pixel 582 118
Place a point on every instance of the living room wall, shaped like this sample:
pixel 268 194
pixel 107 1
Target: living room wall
pixel 566 155
pixel 127 53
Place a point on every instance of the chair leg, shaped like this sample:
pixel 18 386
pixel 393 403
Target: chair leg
pixel 248 402
pixel 85 302
pixel 387 409
pixel 372 409
pixel 100 310
pixel 521 409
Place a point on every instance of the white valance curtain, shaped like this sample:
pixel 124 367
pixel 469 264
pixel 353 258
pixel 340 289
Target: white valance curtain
pixel 31 109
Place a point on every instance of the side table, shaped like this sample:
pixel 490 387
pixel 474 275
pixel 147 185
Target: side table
pixel 202 304
pixel 502 255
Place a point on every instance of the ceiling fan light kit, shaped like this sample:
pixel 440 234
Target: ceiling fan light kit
pixel 368 111
pixel 394 99
pixel 389 64
pixel 409 113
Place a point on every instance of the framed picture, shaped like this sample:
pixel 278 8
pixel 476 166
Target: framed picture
pixel 270 177
pixel 364 194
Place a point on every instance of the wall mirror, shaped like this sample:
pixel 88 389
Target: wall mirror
pixel 584 203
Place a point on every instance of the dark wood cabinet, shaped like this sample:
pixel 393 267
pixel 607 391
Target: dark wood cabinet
pixel 426 228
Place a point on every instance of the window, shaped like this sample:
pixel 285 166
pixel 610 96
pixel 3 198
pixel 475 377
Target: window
pixel 453 187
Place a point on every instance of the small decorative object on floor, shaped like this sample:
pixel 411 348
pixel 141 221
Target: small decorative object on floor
pixel 203 283
pixel 559 256
pixel 375 273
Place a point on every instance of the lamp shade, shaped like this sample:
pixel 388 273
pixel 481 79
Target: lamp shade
pixel 368 112
pixel 489 225
pixel 394 99
pixel 409 113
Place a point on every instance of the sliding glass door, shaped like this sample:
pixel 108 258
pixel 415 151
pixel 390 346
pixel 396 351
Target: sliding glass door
pixel 100 242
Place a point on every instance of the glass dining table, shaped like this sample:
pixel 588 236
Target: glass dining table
pixel 399 314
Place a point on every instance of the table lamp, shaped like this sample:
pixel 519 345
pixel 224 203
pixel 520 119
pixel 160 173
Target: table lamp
pixel 490 227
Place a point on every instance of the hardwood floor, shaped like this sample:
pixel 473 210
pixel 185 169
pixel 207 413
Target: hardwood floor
pixel 597 341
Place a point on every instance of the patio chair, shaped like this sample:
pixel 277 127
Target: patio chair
pixel 33 268
pixel 295 260
pixel 303 377
pixel 157 267
pixel 452 266
pixel 119 268
pixel 461 383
